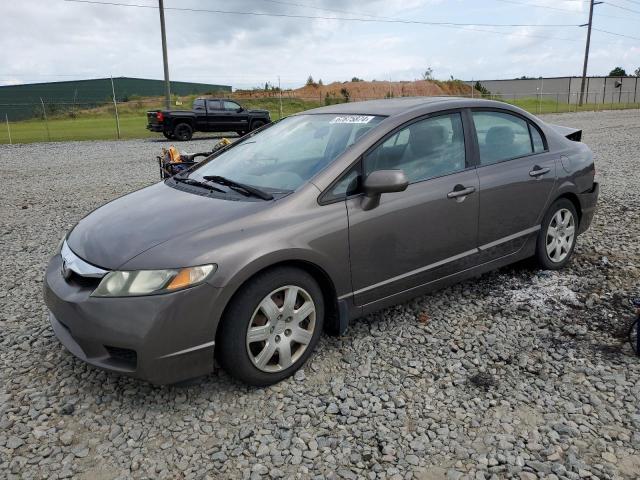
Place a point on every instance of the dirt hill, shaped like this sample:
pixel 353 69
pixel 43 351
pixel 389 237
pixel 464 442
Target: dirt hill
pixel 363 90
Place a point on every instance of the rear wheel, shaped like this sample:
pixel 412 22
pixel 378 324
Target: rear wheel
pixel 183 132
pixel 271 326
pixel 168 135
pixel 557 236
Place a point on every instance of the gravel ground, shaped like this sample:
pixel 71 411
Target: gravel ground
pixel 521 374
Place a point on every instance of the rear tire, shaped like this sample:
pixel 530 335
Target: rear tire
pixel 183 132
pixel 271 326
pixel 168 135
pixel 557 236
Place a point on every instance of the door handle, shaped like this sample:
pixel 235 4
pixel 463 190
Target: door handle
pixel 460 191
pixel 538 171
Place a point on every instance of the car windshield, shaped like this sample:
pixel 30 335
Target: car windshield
pixel 290 152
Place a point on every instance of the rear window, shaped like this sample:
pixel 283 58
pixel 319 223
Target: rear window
pixel 503 136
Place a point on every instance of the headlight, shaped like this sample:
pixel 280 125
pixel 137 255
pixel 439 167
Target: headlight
pixel 147 282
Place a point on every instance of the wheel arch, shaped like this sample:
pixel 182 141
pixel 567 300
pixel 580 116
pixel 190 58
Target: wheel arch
pixel 326 284
pixel 573 198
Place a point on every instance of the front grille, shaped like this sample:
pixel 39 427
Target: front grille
pixel 124 357
pixel 84 282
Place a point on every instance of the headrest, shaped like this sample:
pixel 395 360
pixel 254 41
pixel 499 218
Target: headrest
pixel 499 135
pixel 424 139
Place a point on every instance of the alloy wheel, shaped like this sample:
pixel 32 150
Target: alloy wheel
pixel 560 235
pixel 281 328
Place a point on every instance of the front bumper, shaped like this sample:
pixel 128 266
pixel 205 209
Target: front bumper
pixel 159 338
pixel 588 202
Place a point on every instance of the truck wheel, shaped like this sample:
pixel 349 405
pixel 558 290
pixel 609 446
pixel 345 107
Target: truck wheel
pixel 257 124
pixel 168 135
pixel 183 132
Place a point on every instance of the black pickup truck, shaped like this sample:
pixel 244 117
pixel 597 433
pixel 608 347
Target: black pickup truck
pixel 207 115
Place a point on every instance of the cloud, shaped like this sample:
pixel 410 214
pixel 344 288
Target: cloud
pixel 44 41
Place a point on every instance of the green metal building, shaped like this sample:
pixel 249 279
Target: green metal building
pixel 20 102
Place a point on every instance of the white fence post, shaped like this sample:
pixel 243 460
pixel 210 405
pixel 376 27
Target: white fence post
pixel 6 117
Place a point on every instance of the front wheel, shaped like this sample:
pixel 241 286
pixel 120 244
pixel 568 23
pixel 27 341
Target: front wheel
pixel 271 326
pixel 257 124
pixel 557 236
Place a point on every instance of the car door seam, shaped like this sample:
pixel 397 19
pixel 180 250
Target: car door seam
pixel 440 263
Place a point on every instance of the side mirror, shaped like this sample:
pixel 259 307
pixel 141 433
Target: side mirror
pixel 379 182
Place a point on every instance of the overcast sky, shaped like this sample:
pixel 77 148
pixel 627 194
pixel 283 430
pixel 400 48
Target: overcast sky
pixel 47 40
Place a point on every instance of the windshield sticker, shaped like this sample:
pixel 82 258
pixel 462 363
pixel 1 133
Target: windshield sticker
pixel 353 119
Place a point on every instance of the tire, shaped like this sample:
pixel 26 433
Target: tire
pixel 183 132
pixel 257 124
pixel 261 359
pixel 241 133
pixel 555 245
pixel 168 135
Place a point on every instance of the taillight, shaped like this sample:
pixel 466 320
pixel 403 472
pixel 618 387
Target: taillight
pixel 160 116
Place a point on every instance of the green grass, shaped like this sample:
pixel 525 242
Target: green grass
pixel 548 105
pixel 99 123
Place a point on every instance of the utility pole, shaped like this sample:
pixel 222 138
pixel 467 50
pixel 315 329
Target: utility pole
pixel 586 50
pixel 163 32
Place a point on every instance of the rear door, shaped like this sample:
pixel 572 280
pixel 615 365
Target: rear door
pixel 215 115
pixel 429 230
pixel 517 174
pixel 199 109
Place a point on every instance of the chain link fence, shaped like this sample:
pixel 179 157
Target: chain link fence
pixel 66 121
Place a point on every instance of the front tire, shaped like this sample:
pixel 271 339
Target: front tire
pixel 257 124
pixel 183 132
pixel 271 326
pixel 557 236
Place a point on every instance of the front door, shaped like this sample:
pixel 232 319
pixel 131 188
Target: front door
pixel 429 230
pixel 517 174
pixel 237 118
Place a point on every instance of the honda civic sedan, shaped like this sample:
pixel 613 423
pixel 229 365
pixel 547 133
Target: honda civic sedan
pixel 309 223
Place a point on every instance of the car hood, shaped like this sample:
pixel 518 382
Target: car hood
pixel 130 225
pixel 257 110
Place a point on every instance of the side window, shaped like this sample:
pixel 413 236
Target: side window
pixel 213 105
pixel 347 185
pixel 198 104
pixel 425 149
pixel 502 136
pixel 536 139
pixel 227 105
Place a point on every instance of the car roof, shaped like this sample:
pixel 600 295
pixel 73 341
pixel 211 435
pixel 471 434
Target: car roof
pixel 396 106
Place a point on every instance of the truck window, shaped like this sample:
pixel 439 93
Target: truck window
pixel 198 104
pixel 227 105
pixel 213 105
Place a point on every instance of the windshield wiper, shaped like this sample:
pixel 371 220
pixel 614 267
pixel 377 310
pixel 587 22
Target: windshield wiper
pixel 197 183
pixel 239 187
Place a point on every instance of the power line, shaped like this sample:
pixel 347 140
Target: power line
pixel 621 7
pixel 546 7
pixel 616 34
pixel 353 19
pixel 313 7
pixel 632 1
